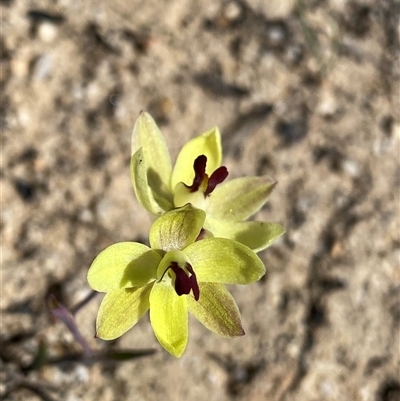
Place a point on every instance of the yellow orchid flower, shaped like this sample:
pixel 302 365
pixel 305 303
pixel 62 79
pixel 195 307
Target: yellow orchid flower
pixel 198 178
pixel 178 274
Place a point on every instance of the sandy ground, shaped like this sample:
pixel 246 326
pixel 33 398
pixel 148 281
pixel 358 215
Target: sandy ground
pixel 305 92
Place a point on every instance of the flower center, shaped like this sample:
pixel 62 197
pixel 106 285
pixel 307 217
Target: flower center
pixel 185 279
pixel 202 185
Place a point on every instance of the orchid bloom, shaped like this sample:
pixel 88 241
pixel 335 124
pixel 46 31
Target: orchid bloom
pixel 184 270
pixel 198 178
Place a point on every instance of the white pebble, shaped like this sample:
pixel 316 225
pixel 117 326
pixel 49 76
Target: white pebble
pixel 43 67
pixel 86 215
pixel 328 105
pixel 47 32
pixel 352 168
pixel 232 11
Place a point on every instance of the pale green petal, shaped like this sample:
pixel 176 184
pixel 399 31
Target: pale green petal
pixel 208 144
pixel 254 234
pixel 176 229
pixel 123 265
pixel 220 260
pixel 171 256
pixel 217 310
pixel 120 310
pixel 240 198
pixel 152 201
pixel 147 135
pixel 169 318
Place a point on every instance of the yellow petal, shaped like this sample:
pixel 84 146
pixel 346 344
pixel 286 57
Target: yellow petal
pixel 169 318
pixel 220 260
pixel 120 310
pixel 217 310
pixel 208 144
pixel 256 235
pixel 123 265
pixel 151 199
pixel 240 198
pixel 148 136
pixel 176 229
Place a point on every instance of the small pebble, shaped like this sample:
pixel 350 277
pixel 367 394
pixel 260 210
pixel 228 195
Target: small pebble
pixel 276 34
pixel 294 54
pixel 114 99
pixel 24 116
pixel 352 168
pixel 20 64
pixel 232 11
pixel 328 105
pixel 328 389
pixel 42 68
pixel 396 131
pixel 82 374
pixel 47 32
pixel 86 216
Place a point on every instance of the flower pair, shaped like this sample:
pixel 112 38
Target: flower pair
pixel 199 243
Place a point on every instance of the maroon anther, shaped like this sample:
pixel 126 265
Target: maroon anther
pixel 216 178
pixel 199 166
pixel 183 282
pixel 193 281
pixel 202 234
